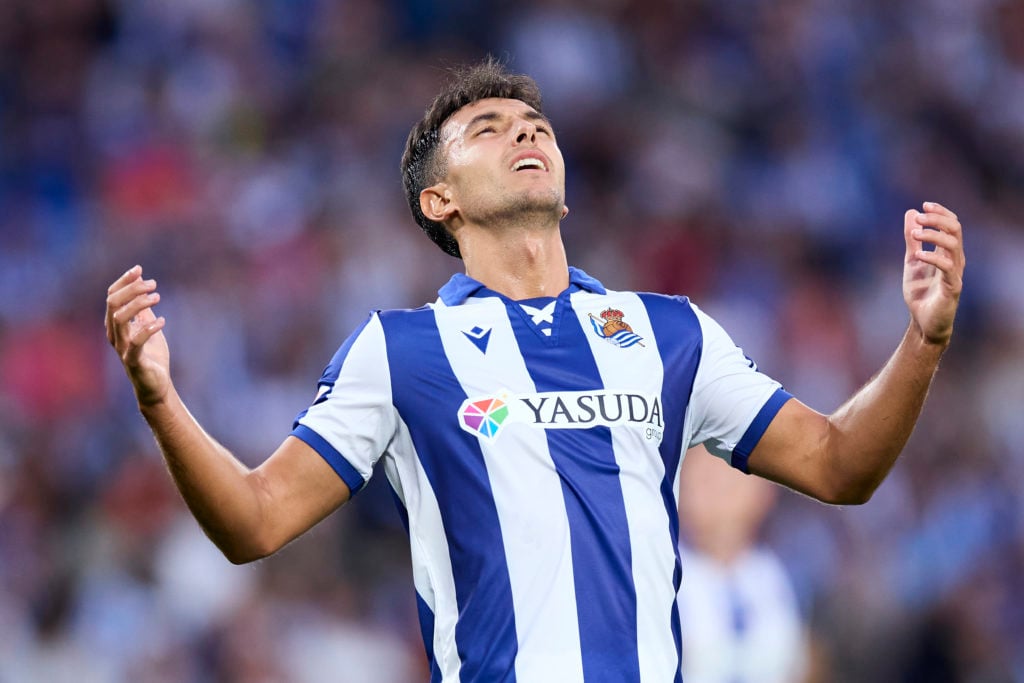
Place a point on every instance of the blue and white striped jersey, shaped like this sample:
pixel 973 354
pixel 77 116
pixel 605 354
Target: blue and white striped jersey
pixel 535 452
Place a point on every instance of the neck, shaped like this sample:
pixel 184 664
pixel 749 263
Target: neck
pixel 520 263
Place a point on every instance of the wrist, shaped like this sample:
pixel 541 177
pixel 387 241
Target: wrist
pixel 929 344
pixel 152 404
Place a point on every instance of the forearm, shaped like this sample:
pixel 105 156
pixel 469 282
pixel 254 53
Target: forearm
pixel 247 513
pixel 218 489
pixel 868 432
pixel 843 457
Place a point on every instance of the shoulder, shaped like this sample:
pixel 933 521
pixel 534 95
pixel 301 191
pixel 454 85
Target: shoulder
pixel 404 313
pixel 673 315
pixel 394 320
pixel 653 301
pixel 373 333
pixel 660 304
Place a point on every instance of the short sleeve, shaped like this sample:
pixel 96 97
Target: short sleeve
pixel 732 402
pixel 352 418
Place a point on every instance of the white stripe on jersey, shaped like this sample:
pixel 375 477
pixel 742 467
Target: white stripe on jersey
pixel 729 399
pixel 536 539
pixel 641 475
pixel 431 560
pixel 362 388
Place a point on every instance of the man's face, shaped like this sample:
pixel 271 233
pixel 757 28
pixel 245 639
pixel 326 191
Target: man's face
pixel 503 162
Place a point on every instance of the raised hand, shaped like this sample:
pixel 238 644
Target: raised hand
pixel 135 333
pixel 932 280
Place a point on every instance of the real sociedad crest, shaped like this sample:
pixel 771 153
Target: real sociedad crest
pixel 612 329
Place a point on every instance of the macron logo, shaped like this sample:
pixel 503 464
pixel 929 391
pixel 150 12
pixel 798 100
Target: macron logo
pixel 479 336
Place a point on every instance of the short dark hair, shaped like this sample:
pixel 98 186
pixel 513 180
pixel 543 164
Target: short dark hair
pixel 422 165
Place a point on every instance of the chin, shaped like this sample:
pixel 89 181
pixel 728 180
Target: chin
pixel 543 200
pixel 528 207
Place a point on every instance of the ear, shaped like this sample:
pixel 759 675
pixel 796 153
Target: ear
pixel 565 211
pixel 436 202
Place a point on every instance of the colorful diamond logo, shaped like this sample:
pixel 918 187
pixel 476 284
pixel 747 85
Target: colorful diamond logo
pixel 485 416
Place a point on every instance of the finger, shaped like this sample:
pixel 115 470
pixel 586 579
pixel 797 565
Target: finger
pixel 935 207
pixel 944 264
pixel 941 261
pixel 126 321
pixel 132 289
pixel 139 336
pixel 940 221
pixel 129 275
pixel 950 229
pixel 940 239
pixel 136 307
pixel 909 226
pixel 115 299
pixel 119 299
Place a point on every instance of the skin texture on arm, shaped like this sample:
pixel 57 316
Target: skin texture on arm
pixel 247 513
pixel 843 457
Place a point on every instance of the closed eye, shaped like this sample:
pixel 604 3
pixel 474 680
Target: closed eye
pixel 486 129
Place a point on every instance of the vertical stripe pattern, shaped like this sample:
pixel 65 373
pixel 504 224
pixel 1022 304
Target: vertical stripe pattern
pixel 425 388
pixel 650 467
pixel 585 461
pixel 534 456
pixel 673 322
pixel 527 496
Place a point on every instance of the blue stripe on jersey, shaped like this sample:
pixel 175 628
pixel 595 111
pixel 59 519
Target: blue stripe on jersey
pixel 598 530
pixel 403 513
pixel 680 343
pixel 427 629
pixel 756 430
pixel 425 390
pixel 426 615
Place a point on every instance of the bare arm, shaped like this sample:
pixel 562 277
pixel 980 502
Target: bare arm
pixel 842 458
pixel 247 513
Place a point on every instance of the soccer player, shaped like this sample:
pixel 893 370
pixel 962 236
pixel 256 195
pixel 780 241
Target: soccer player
pixel 531 421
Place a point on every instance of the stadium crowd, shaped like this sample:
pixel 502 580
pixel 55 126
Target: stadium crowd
pixel 755 156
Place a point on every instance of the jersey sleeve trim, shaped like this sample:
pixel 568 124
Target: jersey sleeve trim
pixel 756 430
pixel 344 469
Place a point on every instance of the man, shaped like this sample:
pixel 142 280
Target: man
pixel 532 422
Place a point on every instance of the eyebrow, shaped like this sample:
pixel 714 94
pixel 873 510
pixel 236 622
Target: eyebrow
pixel 531 114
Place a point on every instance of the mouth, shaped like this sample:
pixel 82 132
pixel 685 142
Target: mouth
pixel 529 163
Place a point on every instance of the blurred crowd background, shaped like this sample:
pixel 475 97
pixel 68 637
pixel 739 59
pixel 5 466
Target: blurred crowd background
pixel 756 156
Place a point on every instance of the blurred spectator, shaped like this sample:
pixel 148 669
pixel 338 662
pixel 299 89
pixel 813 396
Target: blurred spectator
pixel 739 616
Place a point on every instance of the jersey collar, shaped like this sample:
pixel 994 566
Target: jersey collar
pixel 461 286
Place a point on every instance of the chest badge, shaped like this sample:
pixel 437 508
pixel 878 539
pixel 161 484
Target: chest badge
pixel 612 329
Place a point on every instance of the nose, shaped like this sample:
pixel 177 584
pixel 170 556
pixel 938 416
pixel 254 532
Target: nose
pixel 526 131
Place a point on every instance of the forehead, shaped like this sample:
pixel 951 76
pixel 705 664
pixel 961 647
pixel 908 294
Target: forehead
pixel 490 106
